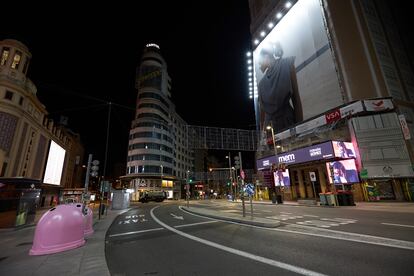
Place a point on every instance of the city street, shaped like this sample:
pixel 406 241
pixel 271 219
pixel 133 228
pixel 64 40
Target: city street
pixel 164 239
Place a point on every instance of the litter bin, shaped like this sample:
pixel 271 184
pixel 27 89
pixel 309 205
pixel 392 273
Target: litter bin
pixel 349 198
pixel 323 199
pixel 279 199
pixel 341 198
pixel 274 198
pixel 330 199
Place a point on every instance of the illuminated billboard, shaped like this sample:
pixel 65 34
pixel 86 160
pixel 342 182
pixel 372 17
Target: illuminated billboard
pixel 281 178
pixel 295 76
pixel 342 172
pixel 54 165
pixel 343 149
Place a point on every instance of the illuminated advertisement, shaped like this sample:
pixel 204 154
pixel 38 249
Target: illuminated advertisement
pixel 313 153
pixel 54 165
pixel 281 178
pixel 342 172
pixel 294 70
pixel 343 149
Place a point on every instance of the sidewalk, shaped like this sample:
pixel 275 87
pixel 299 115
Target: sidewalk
pixel 86 260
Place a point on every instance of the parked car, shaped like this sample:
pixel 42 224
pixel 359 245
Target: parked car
pixel 157 196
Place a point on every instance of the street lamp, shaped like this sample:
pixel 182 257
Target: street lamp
pixel 162 172
pixel 273 137
pixel 231 176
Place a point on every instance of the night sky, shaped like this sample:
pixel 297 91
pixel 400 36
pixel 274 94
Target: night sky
pixel 85 56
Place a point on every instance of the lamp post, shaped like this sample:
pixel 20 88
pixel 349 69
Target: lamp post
pixel 187 186
pixel 162 172
pixel 231 176
pixel 273 137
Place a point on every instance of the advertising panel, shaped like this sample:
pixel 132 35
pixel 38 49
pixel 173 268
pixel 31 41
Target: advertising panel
pixel 54 165
pixel 313 153
pixel 294 70
pixel 343 149
pixel 281 178
pixel 342 172
pixel 150 76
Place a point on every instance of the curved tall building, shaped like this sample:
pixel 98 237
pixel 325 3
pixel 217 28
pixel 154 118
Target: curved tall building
pixel 158 157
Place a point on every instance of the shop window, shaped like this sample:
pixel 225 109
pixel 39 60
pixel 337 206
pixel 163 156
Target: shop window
pixel 9 95
pixel 16 60
pixel 4 55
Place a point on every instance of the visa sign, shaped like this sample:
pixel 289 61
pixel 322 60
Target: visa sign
pixel 333 116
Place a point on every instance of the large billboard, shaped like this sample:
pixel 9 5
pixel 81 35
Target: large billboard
pixel 54 165
pixel 281 178
pixel 295 75
pixel 342 172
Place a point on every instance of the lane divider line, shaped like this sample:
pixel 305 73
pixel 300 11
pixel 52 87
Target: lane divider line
pixel 401 225
pixel 135 232
pixel 264 260
pixel 193 224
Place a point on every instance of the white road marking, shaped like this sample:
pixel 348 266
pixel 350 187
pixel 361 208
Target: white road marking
pixel 135 232
pixel 271 262
pixel 193 224
pixel 267 211
pixel 330 234
pixel 286 213
pixel 311 216
pixel 176 217
pixel 339 220
pixel 401 225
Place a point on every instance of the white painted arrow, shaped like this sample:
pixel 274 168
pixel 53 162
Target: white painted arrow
pixel 177 217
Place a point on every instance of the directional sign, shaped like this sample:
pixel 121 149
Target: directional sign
pixel 249 189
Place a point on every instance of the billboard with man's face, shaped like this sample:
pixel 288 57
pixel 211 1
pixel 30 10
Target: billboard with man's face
pixel 295 75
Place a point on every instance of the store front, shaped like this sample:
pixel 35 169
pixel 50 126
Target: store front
pixel 305 173
pixel 19 198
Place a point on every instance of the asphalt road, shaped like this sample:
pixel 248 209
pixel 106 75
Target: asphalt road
pixel 161 239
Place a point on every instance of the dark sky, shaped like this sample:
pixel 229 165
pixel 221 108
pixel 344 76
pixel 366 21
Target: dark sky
pixel 84 56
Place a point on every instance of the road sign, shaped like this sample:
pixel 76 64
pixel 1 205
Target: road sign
pixel 312 176
pixel 242 175
pixel 249 188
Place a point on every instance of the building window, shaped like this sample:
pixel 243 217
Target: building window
pixel 16 60
pixel 4 55
pixel 21 100
pixel 26 65
pixel 9 95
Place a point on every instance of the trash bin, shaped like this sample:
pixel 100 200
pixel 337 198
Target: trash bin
pixel 349 198
pixel 59 229
pixel 279 199
pixel 330 199
pixel 323 200
pixel 341 198
pixel 274 198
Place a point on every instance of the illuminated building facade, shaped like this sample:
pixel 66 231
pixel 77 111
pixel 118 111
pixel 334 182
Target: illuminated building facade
pixel 341 75
pixel 27 135
pixel 158 154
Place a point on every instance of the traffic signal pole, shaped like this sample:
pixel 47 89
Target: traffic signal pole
pixel 85 193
